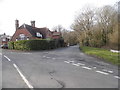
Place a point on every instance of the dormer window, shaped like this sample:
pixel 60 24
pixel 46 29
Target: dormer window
pixel 38 34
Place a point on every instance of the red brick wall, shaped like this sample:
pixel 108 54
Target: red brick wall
pixel 55 37
pixel 21 31
pixel 49 34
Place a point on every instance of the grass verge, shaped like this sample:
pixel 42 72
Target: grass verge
pixel 102 53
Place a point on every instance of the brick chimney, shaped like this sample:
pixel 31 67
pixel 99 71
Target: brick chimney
pixel 16 24
pixel 33 23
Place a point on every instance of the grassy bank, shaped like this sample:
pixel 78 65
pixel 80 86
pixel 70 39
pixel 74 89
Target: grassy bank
pixel 102 53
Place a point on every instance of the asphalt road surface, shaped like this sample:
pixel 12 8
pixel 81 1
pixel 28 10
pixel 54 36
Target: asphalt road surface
pixel 61 68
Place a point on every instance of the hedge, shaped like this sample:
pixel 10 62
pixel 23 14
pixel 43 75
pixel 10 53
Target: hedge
pixel 36 44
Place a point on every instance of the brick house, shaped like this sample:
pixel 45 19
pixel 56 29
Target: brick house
pixel 28 32
pixel 4 39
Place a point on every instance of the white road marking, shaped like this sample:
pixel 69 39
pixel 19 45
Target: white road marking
pixel 80 64
pixel 7 58
pixel 75 64
pixel 0 53
pixel 108 71
pixel 86 68
pixel 117 77
pixel 102 72
pixel 47 57
pixel 66 61
pixel 23 77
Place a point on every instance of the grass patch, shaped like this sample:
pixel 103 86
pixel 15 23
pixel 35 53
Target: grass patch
pixel 102 53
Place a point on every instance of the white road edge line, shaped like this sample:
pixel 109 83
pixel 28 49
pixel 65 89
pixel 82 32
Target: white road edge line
pixel 117 77
pixel 86 68
pixel 7 58
pixel 23 77
pixel 102 72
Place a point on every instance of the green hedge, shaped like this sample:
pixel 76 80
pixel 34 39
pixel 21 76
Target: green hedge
pixel 11 45
pixel 36 44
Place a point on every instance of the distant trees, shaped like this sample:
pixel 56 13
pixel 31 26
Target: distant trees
pixel 97 27
pixel 69 36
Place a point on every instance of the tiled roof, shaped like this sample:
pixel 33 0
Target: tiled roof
pixel 33 30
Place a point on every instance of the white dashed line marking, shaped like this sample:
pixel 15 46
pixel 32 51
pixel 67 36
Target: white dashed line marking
pixel 80 64
pixel 23 77
pixel 66 62
pixel 75 64
pixel 47 57
pixel 102 72
pixel 86 68
pixel 7 58
pixel 117 77
pixel 108 71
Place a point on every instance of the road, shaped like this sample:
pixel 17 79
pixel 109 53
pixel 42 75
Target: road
pixel 61 68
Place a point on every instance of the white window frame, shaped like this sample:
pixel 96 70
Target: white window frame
pixel 38 34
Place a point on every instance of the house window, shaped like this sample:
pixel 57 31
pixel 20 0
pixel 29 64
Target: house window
pixel 22 37
pixel 38 34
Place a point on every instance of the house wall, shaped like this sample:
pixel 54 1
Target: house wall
pixel 21 31
pixel 56 36
pixel 49 34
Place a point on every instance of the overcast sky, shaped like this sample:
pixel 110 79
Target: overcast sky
pixel 46 13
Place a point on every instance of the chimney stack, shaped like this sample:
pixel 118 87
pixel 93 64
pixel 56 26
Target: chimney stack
pixel 16 24
pixel 33 23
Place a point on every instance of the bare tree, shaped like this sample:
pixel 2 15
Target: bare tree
pixel 58 28
pixel 95 27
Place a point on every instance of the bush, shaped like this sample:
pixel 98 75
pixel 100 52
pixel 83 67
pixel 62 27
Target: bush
pixel 11 45
pixel 36 44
